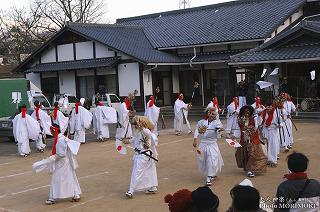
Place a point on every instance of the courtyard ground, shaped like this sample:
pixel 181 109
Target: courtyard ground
pixel 104 175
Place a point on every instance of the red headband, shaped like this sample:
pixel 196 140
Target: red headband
pixel 24 112
pixel 151 103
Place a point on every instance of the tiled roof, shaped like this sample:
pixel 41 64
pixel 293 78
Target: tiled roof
pixel 299 43
pixel 77 64
pixel 221 56
pixel 231 21
pixel 127 39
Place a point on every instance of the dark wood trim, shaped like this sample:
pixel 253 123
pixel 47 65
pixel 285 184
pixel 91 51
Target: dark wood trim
pixel 129 61
pixel 74 51
pixel 58 76
pixel 95 81
pixel 41 80
pixel 56 50
pixel 40 59
pixel 94 50
pixel 141 86
pixel 117 79
pixel 77 84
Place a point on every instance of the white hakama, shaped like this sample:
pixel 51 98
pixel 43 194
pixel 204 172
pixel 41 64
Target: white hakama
pixel 289 108
pixel 274 136
pixel 79 122
pixel 124 121
pixel 23 130
pixel 64 181
pixel 210 160
pixel 181 122
pixel 45 124
pixel 144 172
pixel 232 127
pixel 102 117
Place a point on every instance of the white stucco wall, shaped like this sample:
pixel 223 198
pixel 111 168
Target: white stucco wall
pixel 128 74
pixel 147 83
pixel 175 81
pixel 67 82
pixel 103 51
pixel 49 56
pixel 65 52
pixel 34 78
pixel 84 50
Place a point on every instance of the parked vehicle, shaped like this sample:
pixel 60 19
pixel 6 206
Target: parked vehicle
pixel 108 99
pixel 8 88
pixel 66 102
pixel 6 126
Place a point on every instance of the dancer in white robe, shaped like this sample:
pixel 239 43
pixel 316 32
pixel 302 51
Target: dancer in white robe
pixel 152 112
pixel 25 128
pixel 289 108
pixel 181 122
pixel 124 118
pixel 232 129
pixel 102 117
pixel 64 181
pixel 144 172
pixel 209 157
pixel 59 118
pixel 274 123
pixel 80 120
pixel 45 123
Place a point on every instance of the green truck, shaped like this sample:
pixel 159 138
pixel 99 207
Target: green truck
pixel 7 88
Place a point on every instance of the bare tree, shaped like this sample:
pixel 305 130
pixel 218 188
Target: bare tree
pixel 55 13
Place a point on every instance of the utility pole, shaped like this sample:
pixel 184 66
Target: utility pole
pixel 183 4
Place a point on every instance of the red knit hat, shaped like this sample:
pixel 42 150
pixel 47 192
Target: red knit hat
pixel 179 201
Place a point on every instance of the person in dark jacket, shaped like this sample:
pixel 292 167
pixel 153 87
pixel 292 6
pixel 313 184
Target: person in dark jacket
pixel 298 189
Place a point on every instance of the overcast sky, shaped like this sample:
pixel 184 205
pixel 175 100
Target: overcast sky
pixel 127 8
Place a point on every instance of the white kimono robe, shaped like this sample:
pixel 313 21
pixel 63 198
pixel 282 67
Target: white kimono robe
pixel 181 116
pixel 153 114
pixel 23 130
pixel 62 121
pixel 79 123
pixel 102 117
pixel 274 136
pixel 144 172
pixel 232 120
pixel 64 182
pixel 124 121
pixel 45 124
pixel 289 108
pixel 210 160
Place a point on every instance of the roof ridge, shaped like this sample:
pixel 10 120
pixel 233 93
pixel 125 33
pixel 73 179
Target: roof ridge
pixel 192 9
pixel 104 25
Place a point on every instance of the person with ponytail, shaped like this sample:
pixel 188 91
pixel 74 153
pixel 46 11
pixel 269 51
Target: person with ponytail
pixel 232 128
pixel 153 112
pixel 80 120
pixel 25 128
pixel 44 122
